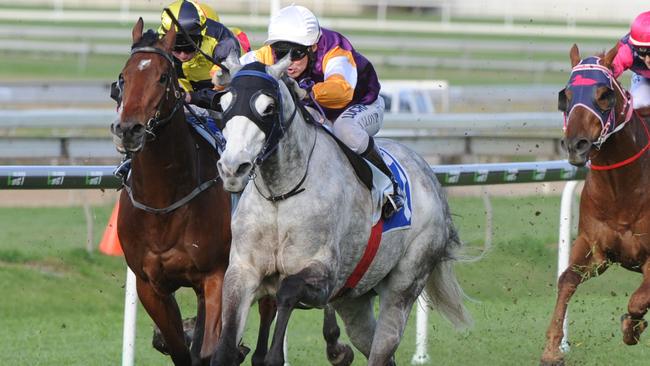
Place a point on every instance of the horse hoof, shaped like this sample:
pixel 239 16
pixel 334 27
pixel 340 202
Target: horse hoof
pixel 158 342
pixel 341 356
pixel 632 329
pixel 243 352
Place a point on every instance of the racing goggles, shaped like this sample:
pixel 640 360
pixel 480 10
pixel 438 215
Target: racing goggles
pixel 642 51
pixel 296 51
pixel 184 45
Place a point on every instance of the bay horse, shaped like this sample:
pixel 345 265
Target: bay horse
pixel 603 130
pixel 302 226
pixel 174 217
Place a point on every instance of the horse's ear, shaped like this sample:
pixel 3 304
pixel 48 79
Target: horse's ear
pixel 169 39
pixel 221 78
pixel 574 54
pixel 137 30
pixel 280 67
pixel 609 57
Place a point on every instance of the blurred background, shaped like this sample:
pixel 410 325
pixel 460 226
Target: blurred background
pixel 461 73
pixel 466 81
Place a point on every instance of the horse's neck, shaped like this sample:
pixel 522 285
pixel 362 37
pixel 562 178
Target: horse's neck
pixel 284 168
pixel 621 146
pixel 167 165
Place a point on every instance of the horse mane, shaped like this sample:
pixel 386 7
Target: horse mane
pixel 148 39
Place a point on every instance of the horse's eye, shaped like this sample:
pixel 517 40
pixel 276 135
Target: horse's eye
pixel 163 79
pixel 225 101
pixel 269 109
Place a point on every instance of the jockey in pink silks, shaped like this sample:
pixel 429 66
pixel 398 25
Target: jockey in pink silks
pixel 634 55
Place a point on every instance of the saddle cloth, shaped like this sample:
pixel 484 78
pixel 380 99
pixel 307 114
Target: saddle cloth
pixel 207 128
pixel 382 186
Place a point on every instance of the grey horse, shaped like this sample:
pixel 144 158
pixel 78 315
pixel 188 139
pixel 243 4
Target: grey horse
pixel 303 225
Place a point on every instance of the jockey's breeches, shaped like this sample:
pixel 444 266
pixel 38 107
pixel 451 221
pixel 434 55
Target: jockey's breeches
pixel 640 91
pixel 358 122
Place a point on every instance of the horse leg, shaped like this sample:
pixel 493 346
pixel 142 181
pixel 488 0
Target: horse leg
pixel 239 286
pixel 199 326
pixel 586 260
pixel 212 288
pixel 395 304
pixel 633 323
pixel 358 315
pixel 338 354
pixel 310 286
pixel 267 309
pixel 164 311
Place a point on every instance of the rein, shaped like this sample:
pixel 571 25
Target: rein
pixel 158 211
pixel 155 122
pixel 295 190
pixel 632 158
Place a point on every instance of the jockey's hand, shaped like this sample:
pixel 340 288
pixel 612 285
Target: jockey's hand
pixel 220 79
pixel 307 84
pixel 300 92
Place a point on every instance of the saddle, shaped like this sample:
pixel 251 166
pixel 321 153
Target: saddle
pixel 361 168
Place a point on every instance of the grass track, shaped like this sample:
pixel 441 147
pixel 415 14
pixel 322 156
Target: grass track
pixel 63 307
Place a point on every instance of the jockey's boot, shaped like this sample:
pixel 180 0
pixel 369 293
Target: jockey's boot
pixel 395 200
pixel 123 168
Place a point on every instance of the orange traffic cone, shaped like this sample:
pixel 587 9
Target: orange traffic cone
pixel 110 244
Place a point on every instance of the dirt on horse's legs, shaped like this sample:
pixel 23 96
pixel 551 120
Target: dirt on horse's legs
pixel 632 323
pixel 584 263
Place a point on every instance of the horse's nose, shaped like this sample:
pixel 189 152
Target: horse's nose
pixel 127 130
pixel 234 169
pixel 576 145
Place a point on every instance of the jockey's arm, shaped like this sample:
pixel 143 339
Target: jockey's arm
pixel 340 74
pixel 623 59
pixel 226 42
pixel 206 98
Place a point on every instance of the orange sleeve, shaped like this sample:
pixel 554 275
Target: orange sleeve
pixel 335 92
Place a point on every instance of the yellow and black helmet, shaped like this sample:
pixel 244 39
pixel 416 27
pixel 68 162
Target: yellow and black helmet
pixel 189 14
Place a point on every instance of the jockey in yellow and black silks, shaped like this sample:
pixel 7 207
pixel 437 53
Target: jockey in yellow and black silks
pixel 201 23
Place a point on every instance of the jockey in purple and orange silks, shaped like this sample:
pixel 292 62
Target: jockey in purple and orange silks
pixel 634 55
pixel 342 84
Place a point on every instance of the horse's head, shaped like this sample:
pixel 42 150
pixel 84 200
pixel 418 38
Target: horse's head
pixel 150 92
pixel 594 105
pixel 257 111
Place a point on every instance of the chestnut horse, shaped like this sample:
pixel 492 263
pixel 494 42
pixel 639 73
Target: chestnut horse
pixel 603 130
pixel 174 219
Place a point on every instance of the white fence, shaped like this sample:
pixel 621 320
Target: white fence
pixel 33 177
pixel 531 134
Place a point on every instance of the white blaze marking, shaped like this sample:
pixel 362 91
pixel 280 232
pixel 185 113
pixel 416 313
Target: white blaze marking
pixel 144 64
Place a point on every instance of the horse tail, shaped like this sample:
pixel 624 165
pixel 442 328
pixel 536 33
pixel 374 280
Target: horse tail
pixel 489 233
pixel 443 292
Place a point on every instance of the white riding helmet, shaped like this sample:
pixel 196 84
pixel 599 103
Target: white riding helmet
pixel 295 24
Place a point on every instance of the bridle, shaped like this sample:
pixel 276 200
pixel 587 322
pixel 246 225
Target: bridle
pixel 585 77
pixel 156 122
pixel 248 83
pixel 589 74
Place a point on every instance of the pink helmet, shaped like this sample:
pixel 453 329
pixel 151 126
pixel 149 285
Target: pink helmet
pixel 640 30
